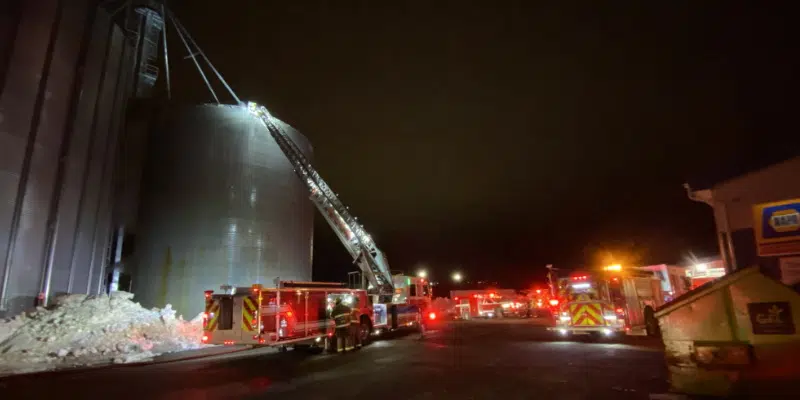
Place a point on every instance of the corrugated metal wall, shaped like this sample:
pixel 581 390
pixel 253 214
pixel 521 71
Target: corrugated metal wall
pixel 65 74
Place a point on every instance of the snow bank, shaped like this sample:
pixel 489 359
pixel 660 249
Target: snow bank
pixel 83 330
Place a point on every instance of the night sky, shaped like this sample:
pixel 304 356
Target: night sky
pixel 500 136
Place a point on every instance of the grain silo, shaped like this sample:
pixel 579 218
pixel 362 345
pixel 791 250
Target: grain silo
pixel 220 205
pixel 67 69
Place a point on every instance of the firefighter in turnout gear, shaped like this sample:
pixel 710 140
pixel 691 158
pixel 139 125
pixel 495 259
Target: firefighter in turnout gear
pixel 341 317
pixel 355 326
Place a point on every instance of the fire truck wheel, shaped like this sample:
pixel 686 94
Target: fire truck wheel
pixel 364 330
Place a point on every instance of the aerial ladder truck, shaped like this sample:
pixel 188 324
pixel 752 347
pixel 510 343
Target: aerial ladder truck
pixel 297 313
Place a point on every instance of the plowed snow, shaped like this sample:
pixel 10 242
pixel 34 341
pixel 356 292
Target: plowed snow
pixel 83 330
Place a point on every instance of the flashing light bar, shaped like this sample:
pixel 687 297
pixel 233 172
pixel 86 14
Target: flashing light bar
pixel 585 285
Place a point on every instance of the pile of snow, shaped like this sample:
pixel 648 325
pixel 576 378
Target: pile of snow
pixel 81 330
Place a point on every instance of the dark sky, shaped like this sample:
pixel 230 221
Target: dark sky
pixel 499 136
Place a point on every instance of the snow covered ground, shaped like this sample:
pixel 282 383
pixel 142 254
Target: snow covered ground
pixel 83 330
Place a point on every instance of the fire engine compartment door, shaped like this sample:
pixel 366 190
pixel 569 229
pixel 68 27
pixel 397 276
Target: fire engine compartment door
pixel 223 321
pixel 633 307
pixel 228 322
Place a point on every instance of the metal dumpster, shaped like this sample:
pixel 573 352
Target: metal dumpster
pixel 733 336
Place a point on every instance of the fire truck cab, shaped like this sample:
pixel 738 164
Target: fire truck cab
pixel 410 305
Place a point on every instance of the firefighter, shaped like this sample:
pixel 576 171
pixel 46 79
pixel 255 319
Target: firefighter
pixel 355 325
pixel 341 317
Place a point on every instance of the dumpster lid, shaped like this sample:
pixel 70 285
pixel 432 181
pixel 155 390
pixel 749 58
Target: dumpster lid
pixel 705 289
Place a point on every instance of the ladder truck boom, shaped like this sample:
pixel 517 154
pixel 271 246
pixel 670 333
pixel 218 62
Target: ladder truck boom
pixel 356 240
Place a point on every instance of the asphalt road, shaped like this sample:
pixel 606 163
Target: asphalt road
pixel 506 359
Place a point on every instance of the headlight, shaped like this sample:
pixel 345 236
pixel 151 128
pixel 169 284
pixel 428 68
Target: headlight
pixel 610 317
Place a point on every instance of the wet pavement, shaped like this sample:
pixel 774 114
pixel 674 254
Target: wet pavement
pixel 499 359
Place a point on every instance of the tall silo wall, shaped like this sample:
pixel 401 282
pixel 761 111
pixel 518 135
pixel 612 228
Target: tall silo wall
pixel 220 205
pixel 65 70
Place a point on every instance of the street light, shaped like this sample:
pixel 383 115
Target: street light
pixel 457 277
pixel 422 273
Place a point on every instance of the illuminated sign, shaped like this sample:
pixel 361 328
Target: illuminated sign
pixel 777 227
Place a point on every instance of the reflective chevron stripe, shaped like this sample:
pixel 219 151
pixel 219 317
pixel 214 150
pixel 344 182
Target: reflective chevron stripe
pixel 586 314
pixel 249 313
pixel 212 314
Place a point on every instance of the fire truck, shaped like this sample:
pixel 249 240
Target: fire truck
pixel 486 303
pixel 298 313
pixel 608 303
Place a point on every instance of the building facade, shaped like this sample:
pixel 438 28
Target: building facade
pixel 756 216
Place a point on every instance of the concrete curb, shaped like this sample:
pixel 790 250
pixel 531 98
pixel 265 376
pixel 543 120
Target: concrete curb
pixel 162 359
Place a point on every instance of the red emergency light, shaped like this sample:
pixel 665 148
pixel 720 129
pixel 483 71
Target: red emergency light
pixel 432 316
pixel 538 291
pixel 553 302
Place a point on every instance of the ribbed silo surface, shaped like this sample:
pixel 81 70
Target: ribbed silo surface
pixel 65 73
pixel 221 205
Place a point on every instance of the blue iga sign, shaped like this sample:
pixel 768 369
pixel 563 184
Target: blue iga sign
pixel 777 227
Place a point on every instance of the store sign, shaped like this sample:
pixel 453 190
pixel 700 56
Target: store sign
pixel 774 318
pixel 777 227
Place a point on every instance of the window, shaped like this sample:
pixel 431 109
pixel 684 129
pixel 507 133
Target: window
pixel 225 313
pixel 591 295
pixel 412 290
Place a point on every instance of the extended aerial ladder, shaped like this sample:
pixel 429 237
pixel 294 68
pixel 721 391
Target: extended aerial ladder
pixel 356 240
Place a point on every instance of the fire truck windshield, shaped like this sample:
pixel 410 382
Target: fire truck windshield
pixel 583 296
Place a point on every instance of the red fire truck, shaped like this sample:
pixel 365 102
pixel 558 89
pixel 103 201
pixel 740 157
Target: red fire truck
pixel 485 303
pixel 608 303
pixel 298 312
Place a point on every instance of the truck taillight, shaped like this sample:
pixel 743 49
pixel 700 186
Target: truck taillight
pixel 204 339
pixel 432 316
